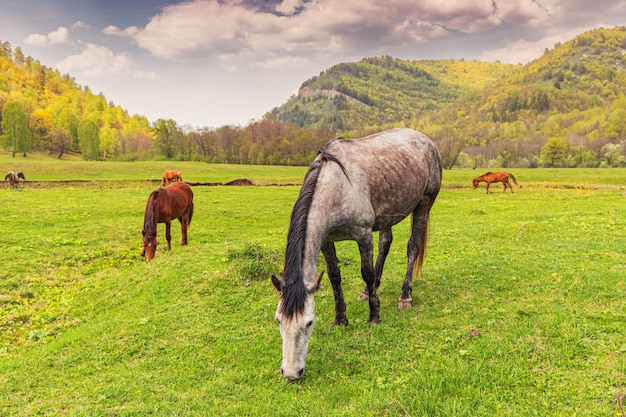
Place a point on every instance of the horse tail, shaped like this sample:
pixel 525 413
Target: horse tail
pixel 513 178
pixel 8 176
pixel 419 262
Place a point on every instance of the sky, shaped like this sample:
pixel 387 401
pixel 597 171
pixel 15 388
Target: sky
pixel 210 63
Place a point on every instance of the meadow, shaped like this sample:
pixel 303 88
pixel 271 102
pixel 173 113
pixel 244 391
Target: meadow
pixel 520 309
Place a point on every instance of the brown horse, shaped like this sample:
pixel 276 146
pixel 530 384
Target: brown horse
pixel 165 204
pixel 170 176
pixel 14 178
pixel 490 177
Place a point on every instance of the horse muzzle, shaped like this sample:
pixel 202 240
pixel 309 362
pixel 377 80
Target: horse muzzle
pixel 292 376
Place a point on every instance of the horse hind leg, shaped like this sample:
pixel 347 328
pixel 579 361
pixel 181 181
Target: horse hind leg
pixel 168 234
pixel 415 250
pixel 334 274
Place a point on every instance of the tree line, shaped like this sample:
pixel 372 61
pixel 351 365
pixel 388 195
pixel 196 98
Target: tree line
pixel 43 110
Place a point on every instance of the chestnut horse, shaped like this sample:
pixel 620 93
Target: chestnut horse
pixel 352 189
pixel 170 176
pixel 14 178
pixel 490 177
pixel 165 204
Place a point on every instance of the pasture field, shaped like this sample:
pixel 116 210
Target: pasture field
pixel 520 310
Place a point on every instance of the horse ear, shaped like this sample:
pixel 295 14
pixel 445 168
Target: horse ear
pixel 314 285
pixel 278 283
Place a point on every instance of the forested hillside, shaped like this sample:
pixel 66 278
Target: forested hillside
pixel 45 110
pixel 565 109
pixel 378 91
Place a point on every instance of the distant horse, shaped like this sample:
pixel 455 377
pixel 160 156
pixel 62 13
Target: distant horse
pixel 170 176
pixel 353 188
pixel 165 204
pixel 490 177
pixel 14 178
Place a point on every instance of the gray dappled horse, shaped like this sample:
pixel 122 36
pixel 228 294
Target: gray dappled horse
pixel 353 188
pixel 14 178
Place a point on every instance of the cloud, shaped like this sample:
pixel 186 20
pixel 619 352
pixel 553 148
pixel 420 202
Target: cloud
pixel 201 29
pixel 99 61
pixel 61 35
pixel 523 51
pixel 115 31
pixel 79 25
pixel 253 33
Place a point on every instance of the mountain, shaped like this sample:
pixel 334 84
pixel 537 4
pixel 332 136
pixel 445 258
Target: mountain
pixel 492 113
pixel 383 90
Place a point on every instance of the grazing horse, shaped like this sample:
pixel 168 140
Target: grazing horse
pixel 490 177
pixel 165 204
pixel 353 188
pixel 170 176
pixel 14 178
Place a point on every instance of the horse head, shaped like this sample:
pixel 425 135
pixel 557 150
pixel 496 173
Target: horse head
pixel 475 182
pixel 296 324
pixel 149 245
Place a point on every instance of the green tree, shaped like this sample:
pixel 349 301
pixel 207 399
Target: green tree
pixel 165 133
pixel 554 152
pixel 89 139
pixel 15 128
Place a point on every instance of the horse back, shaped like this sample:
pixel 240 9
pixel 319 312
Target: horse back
pixel 390 171
pixel 175 200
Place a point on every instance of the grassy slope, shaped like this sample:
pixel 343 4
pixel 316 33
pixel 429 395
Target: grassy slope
pixel 519 310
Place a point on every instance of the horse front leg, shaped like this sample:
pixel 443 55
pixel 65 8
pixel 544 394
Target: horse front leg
pixel 385 237
pixel 168 234
pixel 334 274
pixel 366 249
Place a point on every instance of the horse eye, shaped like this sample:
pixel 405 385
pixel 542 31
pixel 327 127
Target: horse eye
pixel 309 324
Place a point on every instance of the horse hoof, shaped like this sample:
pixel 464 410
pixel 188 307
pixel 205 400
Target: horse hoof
pixel 343 322
pixel 375 321
pixel 405 304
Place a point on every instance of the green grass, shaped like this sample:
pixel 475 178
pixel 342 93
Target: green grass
pixel 519 311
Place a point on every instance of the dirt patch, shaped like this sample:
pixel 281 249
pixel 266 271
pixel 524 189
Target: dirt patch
pixel 113 184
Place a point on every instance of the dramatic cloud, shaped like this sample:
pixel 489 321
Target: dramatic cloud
pixel 61 35
pixel 99 61
pixel 228 30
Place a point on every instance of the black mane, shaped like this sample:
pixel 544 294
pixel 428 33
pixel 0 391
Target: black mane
pixel 294 291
